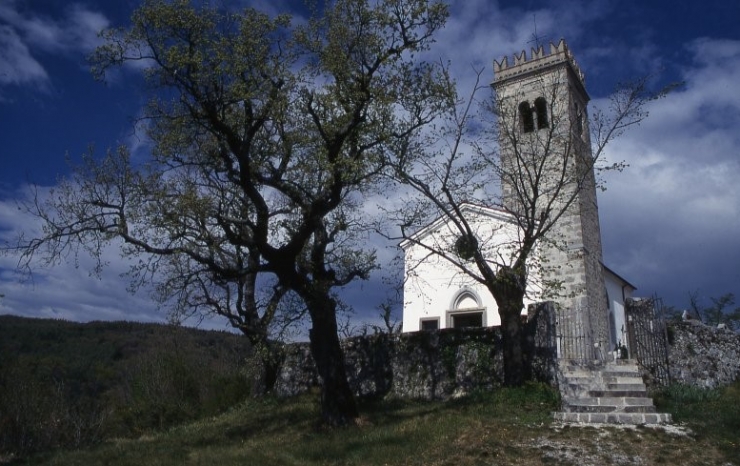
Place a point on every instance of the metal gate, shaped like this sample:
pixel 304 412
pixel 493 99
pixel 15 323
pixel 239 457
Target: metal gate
pixel 647 337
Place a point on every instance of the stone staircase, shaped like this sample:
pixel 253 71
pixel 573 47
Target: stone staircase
pixel 612 394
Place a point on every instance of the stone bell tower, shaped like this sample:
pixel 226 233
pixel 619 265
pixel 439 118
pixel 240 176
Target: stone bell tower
pixel 546 160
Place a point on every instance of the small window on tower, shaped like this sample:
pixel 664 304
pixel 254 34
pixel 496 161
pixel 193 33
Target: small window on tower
pixel 526 117
pixel 540 106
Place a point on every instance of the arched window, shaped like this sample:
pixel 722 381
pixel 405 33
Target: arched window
pixel 526 117
pixel 466 300
pixel 540 107
pixel 466 310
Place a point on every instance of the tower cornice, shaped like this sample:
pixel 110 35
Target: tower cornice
pixel 538 61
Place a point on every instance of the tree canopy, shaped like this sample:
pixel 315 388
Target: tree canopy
pixel 265 136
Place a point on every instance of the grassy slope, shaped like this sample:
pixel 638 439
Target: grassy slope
pixel 505 427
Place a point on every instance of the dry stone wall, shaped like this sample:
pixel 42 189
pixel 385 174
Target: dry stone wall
pixel 425 365
pixel 450 362
pixel 703 356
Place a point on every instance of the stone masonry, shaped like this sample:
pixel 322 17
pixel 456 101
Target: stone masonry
pixel 612 394
pixel 574 256
pixel 428 365
pixel 452 362
pixel 703 356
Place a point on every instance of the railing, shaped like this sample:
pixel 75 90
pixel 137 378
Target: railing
pixel 575 337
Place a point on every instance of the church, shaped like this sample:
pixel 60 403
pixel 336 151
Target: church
pixel 545 91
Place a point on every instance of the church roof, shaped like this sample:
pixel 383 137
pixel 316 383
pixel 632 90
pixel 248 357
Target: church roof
pixel 618 277
pixel 491 212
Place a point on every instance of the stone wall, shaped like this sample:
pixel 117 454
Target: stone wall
pixel 426 365
pixel 703 356
pixel 450 362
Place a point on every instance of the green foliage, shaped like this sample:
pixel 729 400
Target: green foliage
pixel 448 357
pixel 713 414
pixel 687 394
pixel 506 426
pixel 65 385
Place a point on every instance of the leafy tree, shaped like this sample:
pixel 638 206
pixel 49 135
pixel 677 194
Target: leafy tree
pixel 265 137
pixel 484 159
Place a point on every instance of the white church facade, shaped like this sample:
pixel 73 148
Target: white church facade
pixel 439 295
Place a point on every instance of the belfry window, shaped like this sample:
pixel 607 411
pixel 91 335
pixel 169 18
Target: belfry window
pixel 579 120
pixel 540 107
pixel 526 117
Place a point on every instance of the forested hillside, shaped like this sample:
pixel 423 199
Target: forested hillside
pixel 65 384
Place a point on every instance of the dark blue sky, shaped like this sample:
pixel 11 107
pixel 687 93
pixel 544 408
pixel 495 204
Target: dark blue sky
pixel 670 222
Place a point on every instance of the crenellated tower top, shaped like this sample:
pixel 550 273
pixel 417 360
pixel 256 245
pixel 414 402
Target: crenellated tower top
pixel 538 61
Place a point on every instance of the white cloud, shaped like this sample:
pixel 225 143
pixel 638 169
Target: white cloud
pixel 67 290
pixel 17 65
pixel 675 212
pixel 84 26
pixel 26 37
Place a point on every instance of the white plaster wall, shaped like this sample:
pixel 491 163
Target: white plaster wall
pixel 432 282
pixel 618 292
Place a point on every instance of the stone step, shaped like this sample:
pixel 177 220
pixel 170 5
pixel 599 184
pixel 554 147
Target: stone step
pixel 622 379
pixel 608 405
pixel 610 401
pixel 613 394
pixel 617 393
pixel 620 370
pixel 604 381
pixel 577 374
pixel 626 386
pixel 620 367
pixel 614 418
pixel 623 362
pixel 631 375
pixel 607 409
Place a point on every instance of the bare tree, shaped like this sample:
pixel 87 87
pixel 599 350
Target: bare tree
pixel 721 311
pixel 533 171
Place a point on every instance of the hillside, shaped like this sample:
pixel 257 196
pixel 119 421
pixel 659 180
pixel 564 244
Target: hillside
pixel 131 394
pixel 506 427
pixel 68 384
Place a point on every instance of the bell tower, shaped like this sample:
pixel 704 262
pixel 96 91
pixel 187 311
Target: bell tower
pixel 546 163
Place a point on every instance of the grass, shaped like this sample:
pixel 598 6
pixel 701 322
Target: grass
pixel 713 414
pixel 508 426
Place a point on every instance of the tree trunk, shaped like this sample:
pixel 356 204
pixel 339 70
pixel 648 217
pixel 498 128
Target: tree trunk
pixel 511 326
pixel 508 291
pixel 338 407
pixel 267 358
